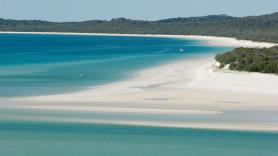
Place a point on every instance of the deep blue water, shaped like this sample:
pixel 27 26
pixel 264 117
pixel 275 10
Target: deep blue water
pixel 51 64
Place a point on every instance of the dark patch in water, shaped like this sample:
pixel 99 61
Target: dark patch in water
pixel 157 99
pixel 228 102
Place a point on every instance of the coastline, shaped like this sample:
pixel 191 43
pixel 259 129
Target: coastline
pixel 190 88
pixel 209 40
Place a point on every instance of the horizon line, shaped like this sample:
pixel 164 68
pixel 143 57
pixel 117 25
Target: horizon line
pixel 108 20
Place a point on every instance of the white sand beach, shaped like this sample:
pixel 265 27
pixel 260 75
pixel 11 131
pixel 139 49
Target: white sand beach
pixel 193 87
pixel 210 40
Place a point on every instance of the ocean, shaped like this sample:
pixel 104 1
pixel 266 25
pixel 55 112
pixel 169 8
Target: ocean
pixel 22 138
pixel 53 64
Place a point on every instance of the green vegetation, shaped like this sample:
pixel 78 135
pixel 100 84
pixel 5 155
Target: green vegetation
pixel 257 28
pixel 263 60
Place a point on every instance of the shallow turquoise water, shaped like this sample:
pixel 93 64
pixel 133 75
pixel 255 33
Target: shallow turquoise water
pixel 31 132
pixel 20 138
pixel 50 64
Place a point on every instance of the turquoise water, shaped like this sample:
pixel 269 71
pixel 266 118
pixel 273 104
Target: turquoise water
pixel 19 138
pixel 50 64
pixel 27 132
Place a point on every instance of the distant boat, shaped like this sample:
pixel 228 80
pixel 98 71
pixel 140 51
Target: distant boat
pixel 81 74
pixel 181 50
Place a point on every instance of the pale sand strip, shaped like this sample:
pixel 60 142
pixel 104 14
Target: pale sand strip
pixel 126 110
pixel 198 125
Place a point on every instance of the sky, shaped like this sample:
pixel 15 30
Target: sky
pixel 80 10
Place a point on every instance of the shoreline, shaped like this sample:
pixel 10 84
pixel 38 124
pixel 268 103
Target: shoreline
pixel 209 40
pixel 173 90
pixel 154 76
pixel 190 88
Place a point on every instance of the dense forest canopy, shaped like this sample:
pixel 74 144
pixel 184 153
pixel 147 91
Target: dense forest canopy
pixel 263 60
pixel 258 28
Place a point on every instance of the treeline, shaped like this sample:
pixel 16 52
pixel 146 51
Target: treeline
pixel 258 28
pixel 263 60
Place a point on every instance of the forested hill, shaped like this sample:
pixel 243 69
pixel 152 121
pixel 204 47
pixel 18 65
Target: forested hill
pixel 263 60
pixel 259 28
